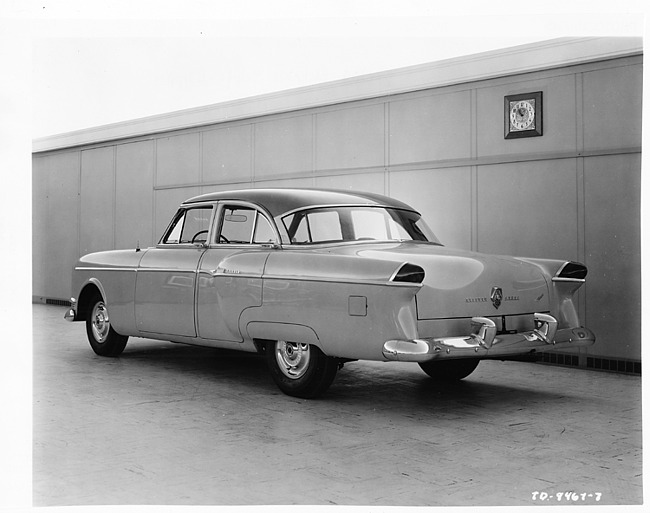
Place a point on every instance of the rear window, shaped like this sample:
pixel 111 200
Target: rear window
pixel 343 224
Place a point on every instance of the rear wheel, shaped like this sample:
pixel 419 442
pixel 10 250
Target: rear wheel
pixel 104 340
pixel 450 370
pixel 300 370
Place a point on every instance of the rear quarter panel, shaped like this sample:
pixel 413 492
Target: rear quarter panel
pixel 346 305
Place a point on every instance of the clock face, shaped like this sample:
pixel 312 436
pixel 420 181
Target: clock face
pixel 522 115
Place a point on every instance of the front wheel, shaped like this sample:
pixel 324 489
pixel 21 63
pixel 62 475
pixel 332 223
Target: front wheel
pixel 300 370
pixel 450 370
pixel 104 340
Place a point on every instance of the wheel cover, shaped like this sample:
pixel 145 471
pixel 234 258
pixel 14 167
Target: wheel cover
pixel 293 358
pixel 100 322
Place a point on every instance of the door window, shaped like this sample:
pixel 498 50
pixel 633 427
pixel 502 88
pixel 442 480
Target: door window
pixel 245 225
pixel 190 226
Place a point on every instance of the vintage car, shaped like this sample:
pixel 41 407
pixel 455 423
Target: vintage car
pixel 315 278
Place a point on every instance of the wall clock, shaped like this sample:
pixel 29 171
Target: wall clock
pixel 523 115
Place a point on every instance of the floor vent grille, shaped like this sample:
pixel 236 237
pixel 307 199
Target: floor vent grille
pixel 58 302
pixel 626 366
pixel 608 364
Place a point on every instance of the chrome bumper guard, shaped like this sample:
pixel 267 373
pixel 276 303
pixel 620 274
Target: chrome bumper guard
pixel 71 313
pixel 484 342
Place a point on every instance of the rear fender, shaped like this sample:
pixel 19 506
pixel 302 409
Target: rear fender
pixel 562 289
pixel 264 330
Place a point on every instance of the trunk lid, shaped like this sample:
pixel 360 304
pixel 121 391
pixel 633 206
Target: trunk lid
pixel 460 284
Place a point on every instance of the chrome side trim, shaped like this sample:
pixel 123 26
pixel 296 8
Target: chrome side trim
pixel 338 280
pixel 165 270
pixel 81 268
pixel 231 274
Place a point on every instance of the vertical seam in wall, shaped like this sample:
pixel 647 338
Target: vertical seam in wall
pixel 386 148
pixel 473 170
pixel 79 207
pixel 580 110
pixel 474 207
pixel 580 188
pixel 201 181
pixel 154 177
pixel 114 196
pixel 251 164
pixel 473 148
pixel 581 229
pixel 314 134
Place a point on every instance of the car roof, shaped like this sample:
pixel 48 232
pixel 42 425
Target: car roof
pixel 282 200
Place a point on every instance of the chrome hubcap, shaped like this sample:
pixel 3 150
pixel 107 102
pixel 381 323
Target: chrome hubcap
pixel 292 358
pixel 100 322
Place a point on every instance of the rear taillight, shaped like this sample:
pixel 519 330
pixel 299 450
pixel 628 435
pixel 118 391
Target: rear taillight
pixel 409 273
pixel 572 271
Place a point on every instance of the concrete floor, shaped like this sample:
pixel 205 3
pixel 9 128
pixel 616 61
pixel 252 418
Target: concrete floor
pixel 173 424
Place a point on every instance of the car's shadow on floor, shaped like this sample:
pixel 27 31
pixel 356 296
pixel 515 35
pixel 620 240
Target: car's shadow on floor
pixel 401 385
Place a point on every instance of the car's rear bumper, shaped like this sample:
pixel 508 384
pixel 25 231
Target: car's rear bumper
pixel 485 342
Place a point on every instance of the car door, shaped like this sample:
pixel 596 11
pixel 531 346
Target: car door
pixel 230 273
pixel 166 278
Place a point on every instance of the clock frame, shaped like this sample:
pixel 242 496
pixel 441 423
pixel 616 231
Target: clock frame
pixel 523 115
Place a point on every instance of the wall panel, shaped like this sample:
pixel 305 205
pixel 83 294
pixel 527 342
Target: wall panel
pixel 40 223
pixel 55 223
pixel 435 127
pixel 369 182
pixel 289 182
pixel 350 138
pixel 205 189
pixel 529 209
pixel 283 146
pixel 134 195
pixel 227 154
pixel 612 108
pixel 443 197
pixel 97 200
pixel 613 247
pixel 178 159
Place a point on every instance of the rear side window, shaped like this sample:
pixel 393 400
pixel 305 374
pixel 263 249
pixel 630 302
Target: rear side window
pixel 315 226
